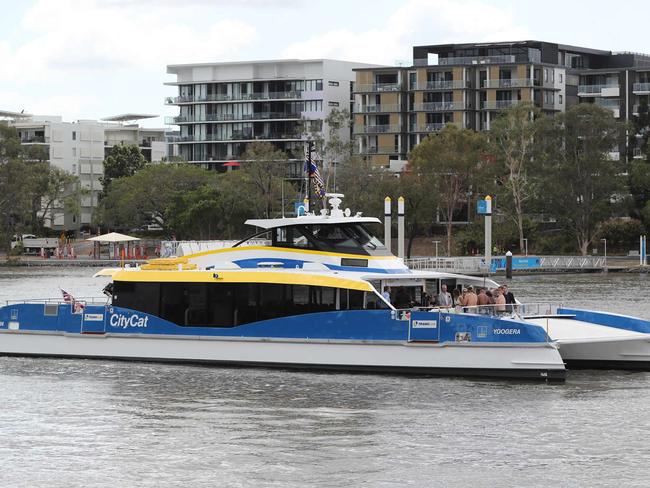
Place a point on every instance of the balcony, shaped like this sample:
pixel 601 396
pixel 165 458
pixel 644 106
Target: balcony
pixel 438 106
pixel 34 140
pixel 378 87
pixel 378 150
pixel 372 109
pixel 182 119
pixel 641 88
pixel 612 104
pixel 443 85
pixel 219 97
pixel 609 90
pixel 498 104
pixel 509 83
pixel 237 136
pixel 377 129
pixel 505 59
pixel 432 127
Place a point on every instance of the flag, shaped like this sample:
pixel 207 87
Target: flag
pixel 67 298
pixel 315 177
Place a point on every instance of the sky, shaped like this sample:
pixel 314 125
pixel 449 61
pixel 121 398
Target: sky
pixel 89 59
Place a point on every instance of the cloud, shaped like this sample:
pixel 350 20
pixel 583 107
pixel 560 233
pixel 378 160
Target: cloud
pixel 415 22
pixel 76 37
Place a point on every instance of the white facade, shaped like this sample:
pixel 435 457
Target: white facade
pixel 79 148
pixel 225 106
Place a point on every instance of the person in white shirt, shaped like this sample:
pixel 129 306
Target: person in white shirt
pixel 444 297
pixel 386 294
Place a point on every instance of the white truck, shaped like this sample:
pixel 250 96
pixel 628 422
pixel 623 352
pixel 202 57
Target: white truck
pixel 33 245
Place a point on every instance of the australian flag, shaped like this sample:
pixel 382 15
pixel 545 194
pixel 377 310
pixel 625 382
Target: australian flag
pixel 315 177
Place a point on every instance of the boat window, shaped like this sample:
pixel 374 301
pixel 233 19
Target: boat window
pixel 291 237
pixel 348 238
pixel 232 304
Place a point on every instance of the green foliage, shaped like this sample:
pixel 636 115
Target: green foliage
pixel 621 234
pixel 453 164
pixel 123 160
pixel 28 186
pixel 579 183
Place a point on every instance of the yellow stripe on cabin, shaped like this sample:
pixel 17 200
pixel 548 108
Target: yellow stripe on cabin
pixel 285 249
pixel 273 277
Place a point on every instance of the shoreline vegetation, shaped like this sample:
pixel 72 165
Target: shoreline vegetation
pixel 562 184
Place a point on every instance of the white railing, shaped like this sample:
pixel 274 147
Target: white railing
pixel 59 301
pixel 477 60
pixel 498 104
pixel 433 127
pixel 641 87
pixel 509 83
pixel 438 106
pixel 595 89
pixel 473 265
pixel 377 129
pixel 378 87
pixel 387 107
pixel 442 85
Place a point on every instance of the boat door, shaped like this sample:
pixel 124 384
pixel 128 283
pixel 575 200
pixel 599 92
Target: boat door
pixel 424 327
pixel 93 320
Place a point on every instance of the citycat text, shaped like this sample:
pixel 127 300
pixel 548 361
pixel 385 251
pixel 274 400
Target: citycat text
pixel 123 321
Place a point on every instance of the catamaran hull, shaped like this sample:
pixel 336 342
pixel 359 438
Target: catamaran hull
pixel 526 361
pixel 589 345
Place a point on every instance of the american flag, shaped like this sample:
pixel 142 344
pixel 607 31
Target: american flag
pixel 315 177
pixel 67 298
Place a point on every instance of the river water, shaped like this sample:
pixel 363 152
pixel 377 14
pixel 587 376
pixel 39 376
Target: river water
pixel 82 423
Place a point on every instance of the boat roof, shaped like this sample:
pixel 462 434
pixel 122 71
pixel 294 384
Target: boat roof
pixel 310 220
pixel 270 276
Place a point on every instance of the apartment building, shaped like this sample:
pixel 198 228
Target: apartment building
pixel 468 84
pixel 80 148
pixel 225 106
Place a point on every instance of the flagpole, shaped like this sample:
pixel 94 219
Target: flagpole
pixel 309 149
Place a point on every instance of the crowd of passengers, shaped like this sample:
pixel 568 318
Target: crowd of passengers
pixel 498 299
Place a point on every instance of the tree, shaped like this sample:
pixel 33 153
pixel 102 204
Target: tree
pixel 264 167
pixel 513 141
pixel 639 166
pixel 580 182
pixel 123 160
pixel 454 160
pixel 152 194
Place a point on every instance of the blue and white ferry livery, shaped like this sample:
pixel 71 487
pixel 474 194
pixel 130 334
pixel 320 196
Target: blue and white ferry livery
pixel 336 240
pixel 276 318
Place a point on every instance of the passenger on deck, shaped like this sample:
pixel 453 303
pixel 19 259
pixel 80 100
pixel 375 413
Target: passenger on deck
pixel 471 299
pixel 457 298
pixel 510 298
pixel 500 301
pixel 402 298
pixel 386 294
pixel 483 299
pixel 444 298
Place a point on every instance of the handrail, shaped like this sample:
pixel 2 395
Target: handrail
pixel 60 301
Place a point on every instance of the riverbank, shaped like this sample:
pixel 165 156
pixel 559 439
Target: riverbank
pixel 22 261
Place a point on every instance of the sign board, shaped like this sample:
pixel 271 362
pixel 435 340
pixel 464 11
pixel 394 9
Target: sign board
pixel 484 207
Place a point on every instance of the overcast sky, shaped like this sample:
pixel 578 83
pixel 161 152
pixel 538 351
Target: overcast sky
pixel 87 59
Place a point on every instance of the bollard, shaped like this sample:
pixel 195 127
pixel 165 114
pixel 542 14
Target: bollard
pixel 509 265
pixel 387 223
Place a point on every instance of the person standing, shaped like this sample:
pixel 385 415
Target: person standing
pixel 471 300
pixel 386 294
pixel 509 297
pixel 500 301
pixel 444 297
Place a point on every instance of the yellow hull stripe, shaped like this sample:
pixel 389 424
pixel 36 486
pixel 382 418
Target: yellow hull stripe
pixel 241 277
pixel 285 249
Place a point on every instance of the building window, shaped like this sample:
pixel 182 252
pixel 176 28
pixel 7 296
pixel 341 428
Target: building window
pixel 552 76
pixel 561 78
pixel 74 169
pixel 333 104
pixel 74 152
pixel 313 106
pixel 313 85
pixel 333 83
pixel 560 99
pixel 74 135
pixel 545 75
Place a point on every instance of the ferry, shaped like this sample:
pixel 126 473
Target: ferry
pixel 300 302
pixel 339 242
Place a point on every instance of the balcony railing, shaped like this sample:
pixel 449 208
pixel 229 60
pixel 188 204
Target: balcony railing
pixel 498 104
pixel 182 119
pixel 432 127
pixel 509 58
pixel 34 139
pixel 509 83
pixel 236 136
pixel 377 129
pixel 378 150
pixel 595 89
pixel 438 106
pixel 611 103
pixel 641 88
pixel 442 85
pixel 386 107
pixel 219 97
pixel 378 87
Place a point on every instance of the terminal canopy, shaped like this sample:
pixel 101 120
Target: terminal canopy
pixel 113 237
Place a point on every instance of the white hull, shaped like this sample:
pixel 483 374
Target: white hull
pixel 592 345
pixel 508 360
